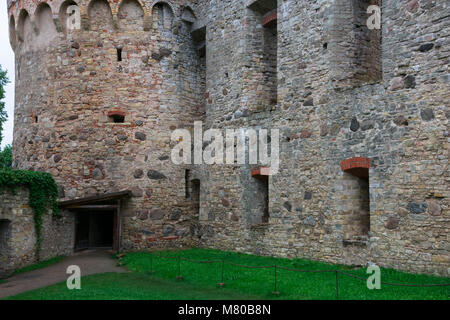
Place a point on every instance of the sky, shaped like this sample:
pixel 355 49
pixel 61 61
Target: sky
pixel 7 62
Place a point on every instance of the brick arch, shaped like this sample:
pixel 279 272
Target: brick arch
pixel 60 3
pixel 100 15
pixel 37 5
pixel 44 21
pixel 188 13
pixel 357 166
pixel 142 3
pixel 131 15
pixel 63 13
pixel 23 16
pixel 152 6
pixel 163 21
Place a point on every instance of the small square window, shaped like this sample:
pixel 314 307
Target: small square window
pixel 117 118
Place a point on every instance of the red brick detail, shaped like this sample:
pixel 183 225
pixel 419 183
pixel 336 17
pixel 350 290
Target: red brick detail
pixel 116 113
pixel 354 163
pixel 170 238
pixel 262 171
pixel 271 17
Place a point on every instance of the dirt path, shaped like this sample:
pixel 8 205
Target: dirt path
pixel 90 262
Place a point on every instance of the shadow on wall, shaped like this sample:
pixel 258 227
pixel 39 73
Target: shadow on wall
pixel 5 235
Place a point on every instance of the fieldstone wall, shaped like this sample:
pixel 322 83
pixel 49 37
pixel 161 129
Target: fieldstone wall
pixel 399 120
pixel 18 236
pixel 96 108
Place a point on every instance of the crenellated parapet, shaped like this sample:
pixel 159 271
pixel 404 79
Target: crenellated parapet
pixel 29 19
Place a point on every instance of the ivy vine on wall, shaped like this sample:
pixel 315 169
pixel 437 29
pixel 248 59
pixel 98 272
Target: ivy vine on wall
pixel 43 194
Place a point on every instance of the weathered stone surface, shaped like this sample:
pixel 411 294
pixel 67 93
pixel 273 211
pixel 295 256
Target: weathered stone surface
pixel 305 74
pixel 309 102
pixel 138 173
pixel 427 114
pixel 397 83
pixel 155 175
pixel 426 47
pixel 157 214
pixel 434 207
pixel 143 214
pixel 97 174
pixel 147 232
pixel 225 202
pixel 392 223
pixel 323 130
pixel 310 221
pixel 288 206
pixel 412 6
pixel 305 134
pixel 168 230
pixel 401 121
pixel 402 212
pixel 416 208
pixel 354 124
pixel 410 82
pixel 175 214
pixel 140 136
pixel 137 192
pixel 18 231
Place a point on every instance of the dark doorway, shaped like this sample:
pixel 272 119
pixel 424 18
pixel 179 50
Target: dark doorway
pixel 195 196
pixel 5 235
pixel 94 230
pixel 260 200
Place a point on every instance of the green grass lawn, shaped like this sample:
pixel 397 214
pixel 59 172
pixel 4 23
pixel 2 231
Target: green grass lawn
pixel 40 265
pixel 200 280
pixel 126 286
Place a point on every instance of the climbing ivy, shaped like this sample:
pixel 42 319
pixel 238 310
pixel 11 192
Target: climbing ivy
pixel 43 194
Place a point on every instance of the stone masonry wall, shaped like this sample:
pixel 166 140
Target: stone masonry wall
pixel 95 107
pixel 342 91
pixel 19 237
pixel 399 121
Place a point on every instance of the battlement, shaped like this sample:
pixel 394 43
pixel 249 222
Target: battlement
pixel 28 19
pixel 362 112
pixel 10 3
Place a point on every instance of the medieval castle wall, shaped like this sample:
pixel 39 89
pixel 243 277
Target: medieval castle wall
pixel 339 93
pixel 95 107
pixel 18 234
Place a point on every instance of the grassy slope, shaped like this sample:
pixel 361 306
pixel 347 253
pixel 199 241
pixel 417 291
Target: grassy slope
pixel 200 280
pixel 124 286
pixel 291 285
pixel 40 265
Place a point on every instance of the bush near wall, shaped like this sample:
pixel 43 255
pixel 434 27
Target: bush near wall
pixel 43 194
pixel 6 157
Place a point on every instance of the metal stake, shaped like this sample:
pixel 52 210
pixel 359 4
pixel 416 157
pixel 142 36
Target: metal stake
pixel 222 283
pixel 275 292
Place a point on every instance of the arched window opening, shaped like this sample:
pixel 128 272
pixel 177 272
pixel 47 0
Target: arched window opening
pixel 131 16
pixel 356 198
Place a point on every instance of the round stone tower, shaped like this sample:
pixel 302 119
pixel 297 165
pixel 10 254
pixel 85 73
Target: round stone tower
pixel 100 86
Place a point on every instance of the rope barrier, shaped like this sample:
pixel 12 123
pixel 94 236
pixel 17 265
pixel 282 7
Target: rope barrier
pixel 299 270
pixel 248 267
pixel 275 292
